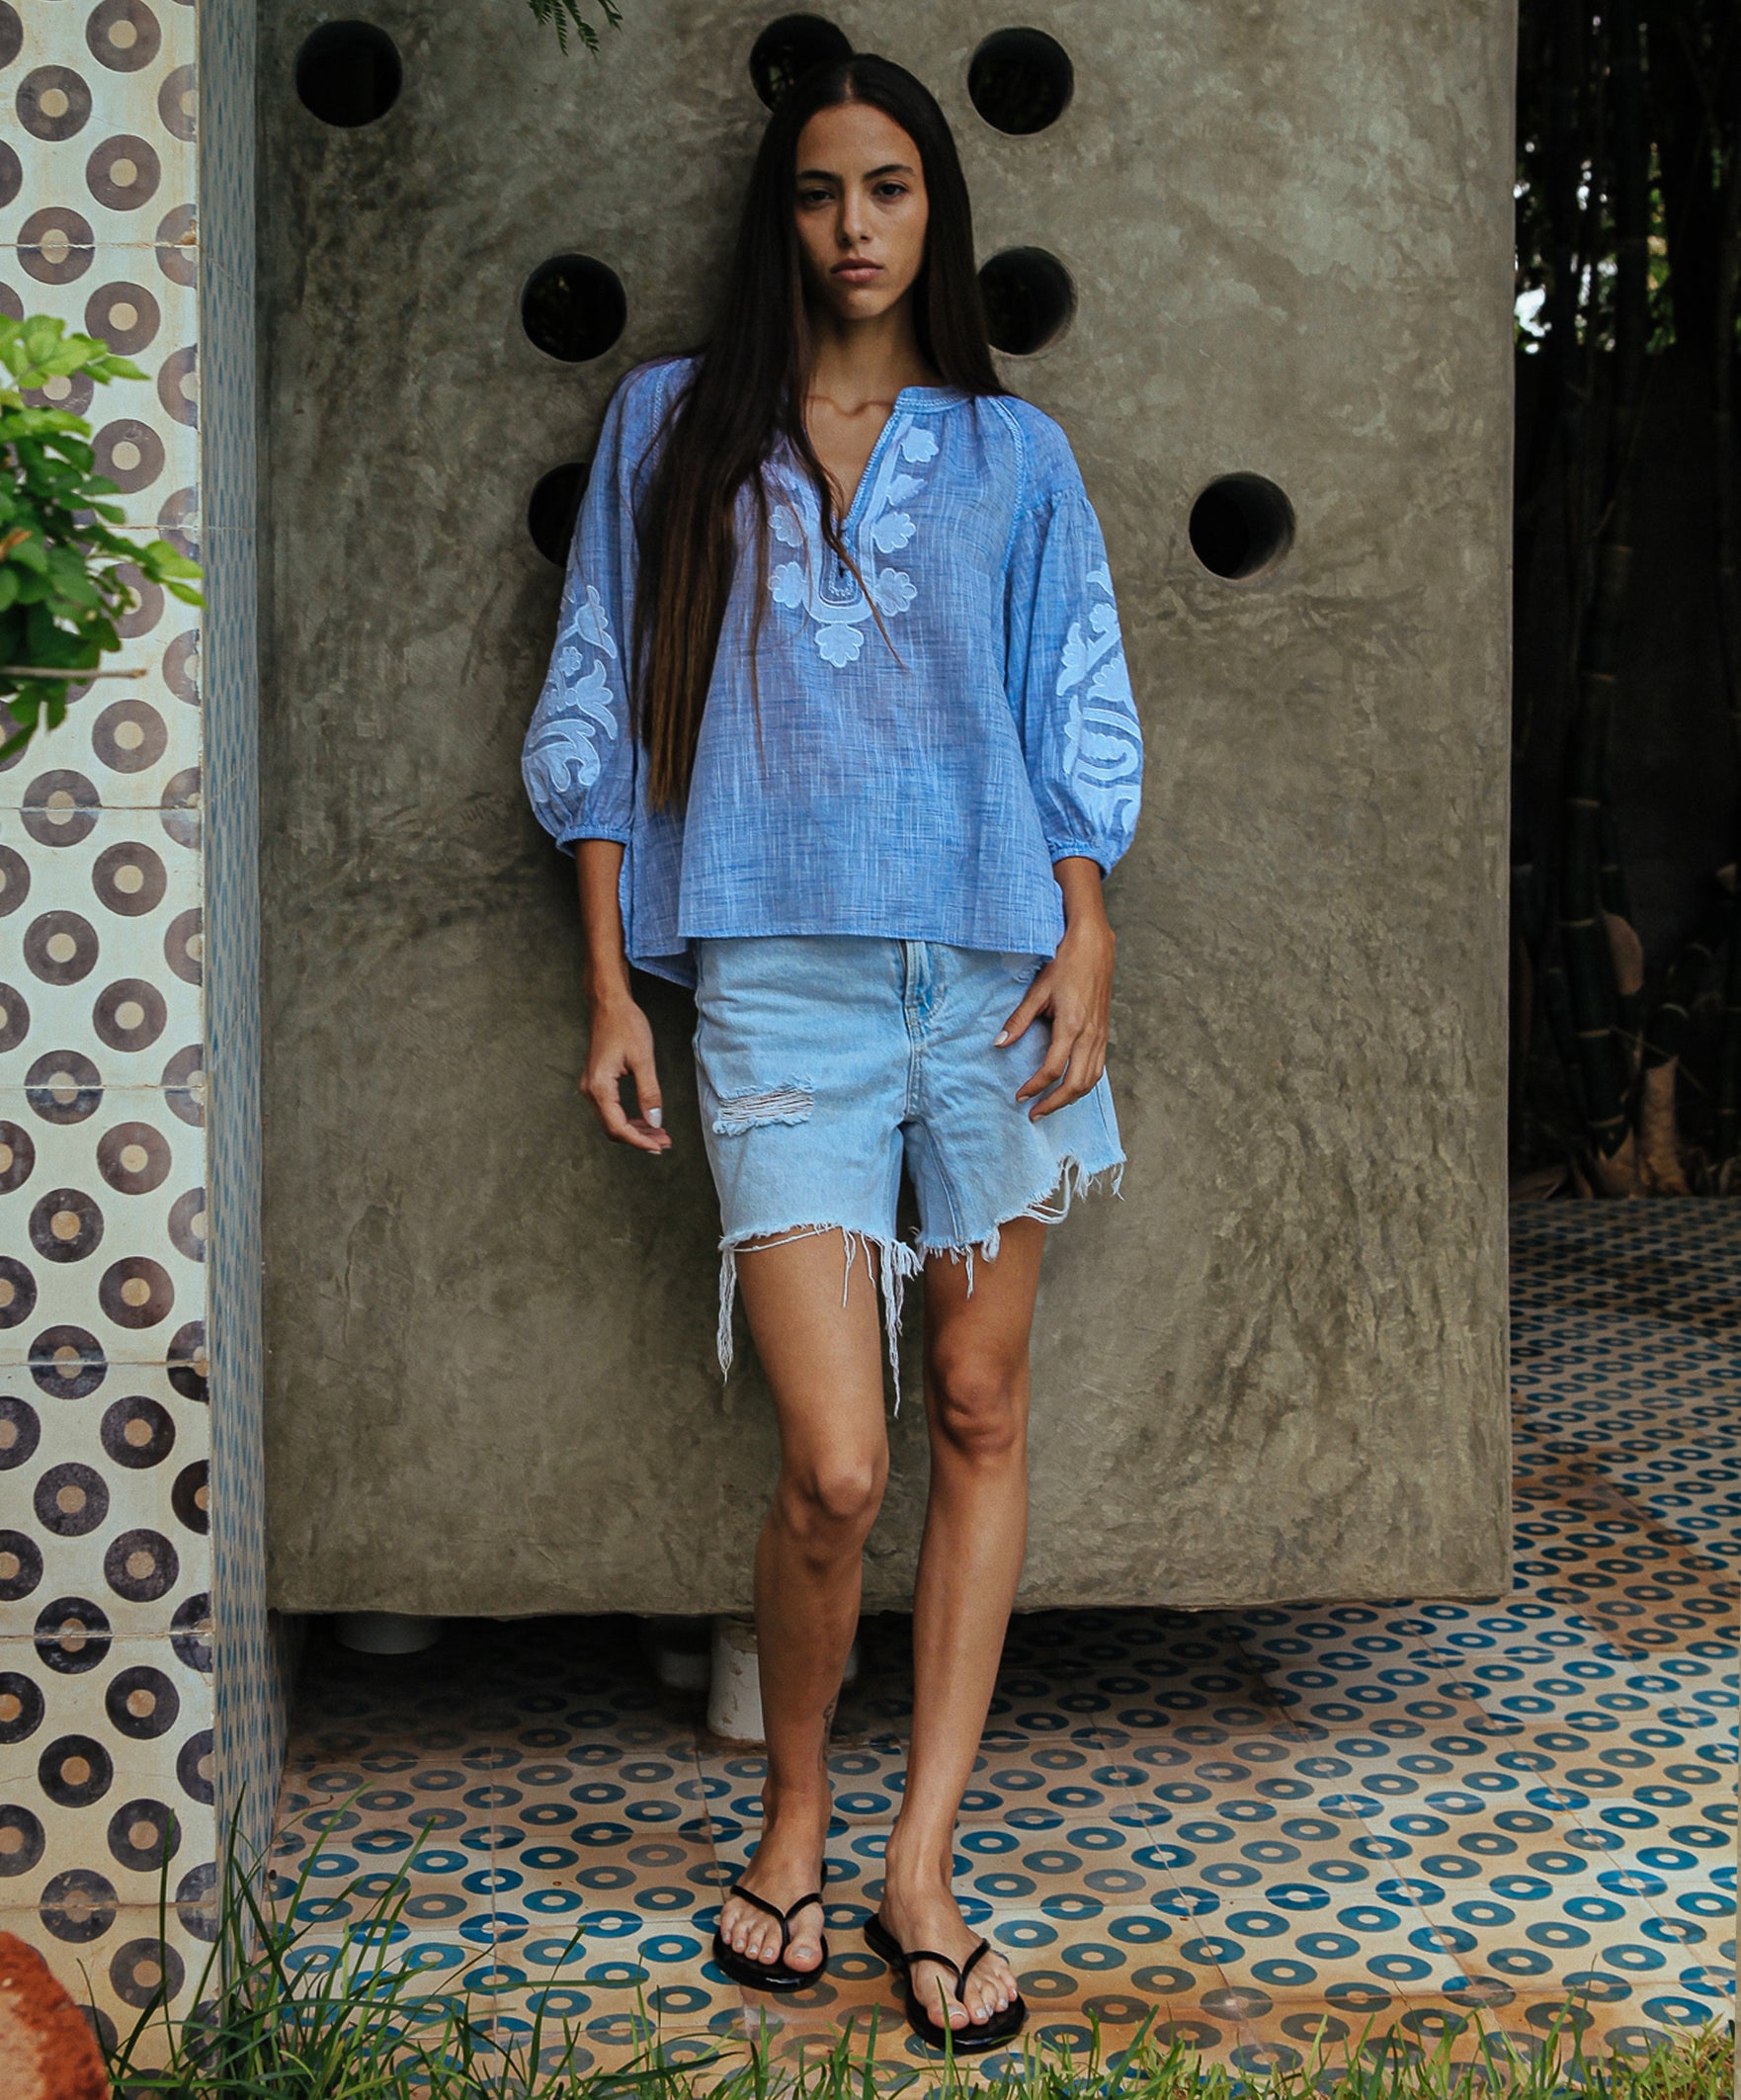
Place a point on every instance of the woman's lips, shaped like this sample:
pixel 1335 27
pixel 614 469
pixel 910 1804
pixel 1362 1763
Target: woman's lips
pixel 857 272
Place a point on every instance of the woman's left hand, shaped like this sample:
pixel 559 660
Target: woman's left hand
pixel 1075 989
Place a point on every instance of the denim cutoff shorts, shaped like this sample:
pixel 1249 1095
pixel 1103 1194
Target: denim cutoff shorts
pixel 828 1061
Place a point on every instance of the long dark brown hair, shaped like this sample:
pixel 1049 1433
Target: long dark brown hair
pixel 747 392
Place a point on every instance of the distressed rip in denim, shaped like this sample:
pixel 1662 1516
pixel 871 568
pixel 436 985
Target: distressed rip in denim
pixel 829 1064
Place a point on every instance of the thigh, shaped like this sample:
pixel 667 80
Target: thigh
pixel 814 1317
pixel 984 1328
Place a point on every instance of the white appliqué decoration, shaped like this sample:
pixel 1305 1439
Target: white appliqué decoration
pixel 562 755
pixel 821 584
pixel 1102 740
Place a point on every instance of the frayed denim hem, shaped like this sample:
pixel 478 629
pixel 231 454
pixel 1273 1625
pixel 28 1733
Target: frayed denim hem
pixel 896 1263
pixel 1052 1206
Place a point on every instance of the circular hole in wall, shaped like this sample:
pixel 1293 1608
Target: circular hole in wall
pixel 1241 525
pixel 554 507
pixel 787 50
pixel 1020 80
pixel 348 72
pixel 1028 299
pixel 573 307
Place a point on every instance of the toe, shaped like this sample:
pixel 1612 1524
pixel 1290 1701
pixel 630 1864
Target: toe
pixel 992 1993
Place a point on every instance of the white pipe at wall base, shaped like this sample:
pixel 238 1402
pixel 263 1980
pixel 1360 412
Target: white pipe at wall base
pixel 735 1696
pixel 386 1632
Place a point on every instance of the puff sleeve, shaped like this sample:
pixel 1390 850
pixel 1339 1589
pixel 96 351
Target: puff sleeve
pixel 578 760
pixel 1065 673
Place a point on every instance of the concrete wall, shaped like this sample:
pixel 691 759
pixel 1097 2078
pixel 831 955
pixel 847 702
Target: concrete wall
pixel 1277 1368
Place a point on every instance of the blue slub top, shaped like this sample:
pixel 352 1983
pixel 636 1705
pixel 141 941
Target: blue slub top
pixel 916 783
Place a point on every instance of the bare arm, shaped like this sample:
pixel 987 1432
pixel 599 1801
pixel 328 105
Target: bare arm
pixel 1076 989
pixel 620 1039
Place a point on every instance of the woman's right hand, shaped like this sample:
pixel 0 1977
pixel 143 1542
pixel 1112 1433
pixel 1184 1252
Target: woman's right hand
pixel 619 1041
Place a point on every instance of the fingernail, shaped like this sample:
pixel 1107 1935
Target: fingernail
pixel 656 1117
pixel 1002 1040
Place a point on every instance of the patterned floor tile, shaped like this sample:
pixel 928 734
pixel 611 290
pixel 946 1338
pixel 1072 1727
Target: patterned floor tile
pixel 1403 1824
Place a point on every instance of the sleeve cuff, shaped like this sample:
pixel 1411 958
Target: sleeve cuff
pixel 571 834
pixel 1103 856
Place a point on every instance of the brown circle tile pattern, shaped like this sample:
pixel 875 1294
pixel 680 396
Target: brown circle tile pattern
pixel 123 172
pixel 123 34
pixel 61 807
pixel 128 878
pixel 61 947
pixel 136 1292
pixel 132 1158
pixel 176 103
pixel 54 103
pixel 129 736
pixel 55 245
pixel 174 242
pixel 106 1701
pixel 126 315
pixel 129 1014
pixel 130 453
pixel 17 1156
pixel 138 1432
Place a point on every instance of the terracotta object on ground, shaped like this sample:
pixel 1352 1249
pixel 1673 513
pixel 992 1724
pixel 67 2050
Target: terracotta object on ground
pixel 48 2051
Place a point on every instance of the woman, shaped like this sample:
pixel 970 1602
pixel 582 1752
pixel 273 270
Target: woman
pixel 838 727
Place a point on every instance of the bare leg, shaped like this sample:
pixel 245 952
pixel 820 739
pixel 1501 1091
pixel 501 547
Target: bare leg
pixel 969 1561
pixel 823 1361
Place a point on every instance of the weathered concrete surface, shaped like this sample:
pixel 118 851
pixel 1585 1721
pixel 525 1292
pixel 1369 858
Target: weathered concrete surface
pixel 1277 1368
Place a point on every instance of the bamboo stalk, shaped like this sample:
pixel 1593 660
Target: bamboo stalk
pixel 1625 950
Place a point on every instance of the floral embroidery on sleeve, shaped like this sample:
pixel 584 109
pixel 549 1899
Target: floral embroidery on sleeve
pixel 1102 740
pixel 562 755
pixel 821 583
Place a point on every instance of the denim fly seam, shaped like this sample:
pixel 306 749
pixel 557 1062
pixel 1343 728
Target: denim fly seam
pixel 896 1262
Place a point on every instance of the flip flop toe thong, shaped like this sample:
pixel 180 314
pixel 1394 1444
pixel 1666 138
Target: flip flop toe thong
pixel 968 2040
pixel 776 1975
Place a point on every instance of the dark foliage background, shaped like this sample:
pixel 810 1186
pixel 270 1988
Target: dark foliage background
pixel 1626 806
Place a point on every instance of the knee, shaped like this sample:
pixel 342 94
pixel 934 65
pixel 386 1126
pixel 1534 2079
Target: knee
pixel 978 1404
pixel 832 1502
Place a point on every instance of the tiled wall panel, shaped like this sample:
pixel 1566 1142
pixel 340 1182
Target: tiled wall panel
pixel 128 1120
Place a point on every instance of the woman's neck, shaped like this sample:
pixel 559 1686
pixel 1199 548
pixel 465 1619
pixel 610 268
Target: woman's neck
pixel 853 364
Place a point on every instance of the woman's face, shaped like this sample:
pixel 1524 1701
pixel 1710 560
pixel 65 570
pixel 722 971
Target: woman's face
pixel 860 211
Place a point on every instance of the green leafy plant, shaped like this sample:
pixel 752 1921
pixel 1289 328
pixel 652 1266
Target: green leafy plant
pixel 307 1994
pixel 567 12
pixel 61 589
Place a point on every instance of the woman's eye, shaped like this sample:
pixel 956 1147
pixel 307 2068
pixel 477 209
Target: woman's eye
pixel 812 197
pixel 891 188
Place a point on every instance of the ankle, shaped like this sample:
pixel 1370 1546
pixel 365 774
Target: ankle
pixel 794 1824
pixel 917 1867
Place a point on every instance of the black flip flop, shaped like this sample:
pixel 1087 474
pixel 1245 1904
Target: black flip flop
pixel 775 1975
pixel 965 2041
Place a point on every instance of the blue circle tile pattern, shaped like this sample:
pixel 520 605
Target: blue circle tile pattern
pixel 1263 1823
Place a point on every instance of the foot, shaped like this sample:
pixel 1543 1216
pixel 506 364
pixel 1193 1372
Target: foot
pixel 788 1863
pixel 928 1915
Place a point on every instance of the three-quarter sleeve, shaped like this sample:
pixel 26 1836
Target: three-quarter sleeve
pixel 578 760
pixel 1066 676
